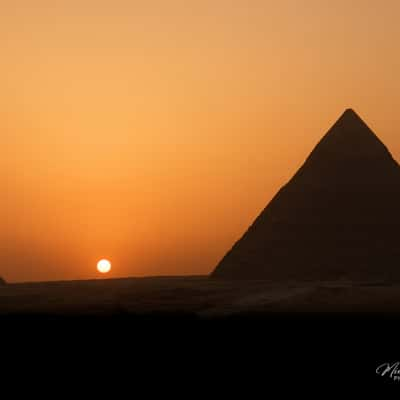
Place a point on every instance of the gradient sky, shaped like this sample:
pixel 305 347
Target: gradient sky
pixel 152 133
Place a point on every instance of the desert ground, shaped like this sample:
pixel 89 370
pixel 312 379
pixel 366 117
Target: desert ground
pixel 196 296
pixel 206 328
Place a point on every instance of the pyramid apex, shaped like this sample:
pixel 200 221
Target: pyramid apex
pixel 349 138
pixel 350 113
pixel 351 118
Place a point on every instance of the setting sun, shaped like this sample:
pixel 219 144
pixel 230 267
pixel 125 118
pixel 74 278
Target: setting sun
pixel 104 266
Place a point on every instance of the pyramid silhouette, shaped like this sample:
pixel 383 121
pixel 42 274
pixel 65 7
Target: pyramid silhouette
pixel 337 218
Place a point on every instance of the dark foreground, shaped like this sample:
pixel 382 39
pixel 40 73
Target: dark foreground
pixel 199 298
pixel 337 333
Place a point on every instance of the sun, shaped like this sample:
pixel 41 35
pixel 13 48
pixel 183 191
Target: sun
pixel 104 266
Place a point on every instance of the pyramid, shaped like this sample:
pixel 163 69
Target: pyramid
pixel 337 218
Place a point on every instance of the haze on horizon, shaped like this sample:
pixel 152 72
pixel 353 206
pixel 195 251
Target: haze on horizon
pixel 152 133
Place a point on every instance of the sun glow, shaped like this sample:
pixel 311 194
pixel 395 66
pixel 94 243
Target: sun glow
pixel 104 266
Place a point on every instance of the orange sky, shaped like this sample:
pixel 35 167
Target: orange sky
pixel 152 133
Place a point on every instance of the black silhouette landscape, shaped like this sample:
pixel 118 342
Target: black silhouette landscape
pixel 206 191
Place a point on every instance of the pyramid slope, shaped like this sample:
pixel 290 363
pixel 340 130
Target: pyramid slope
pixel 337 218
